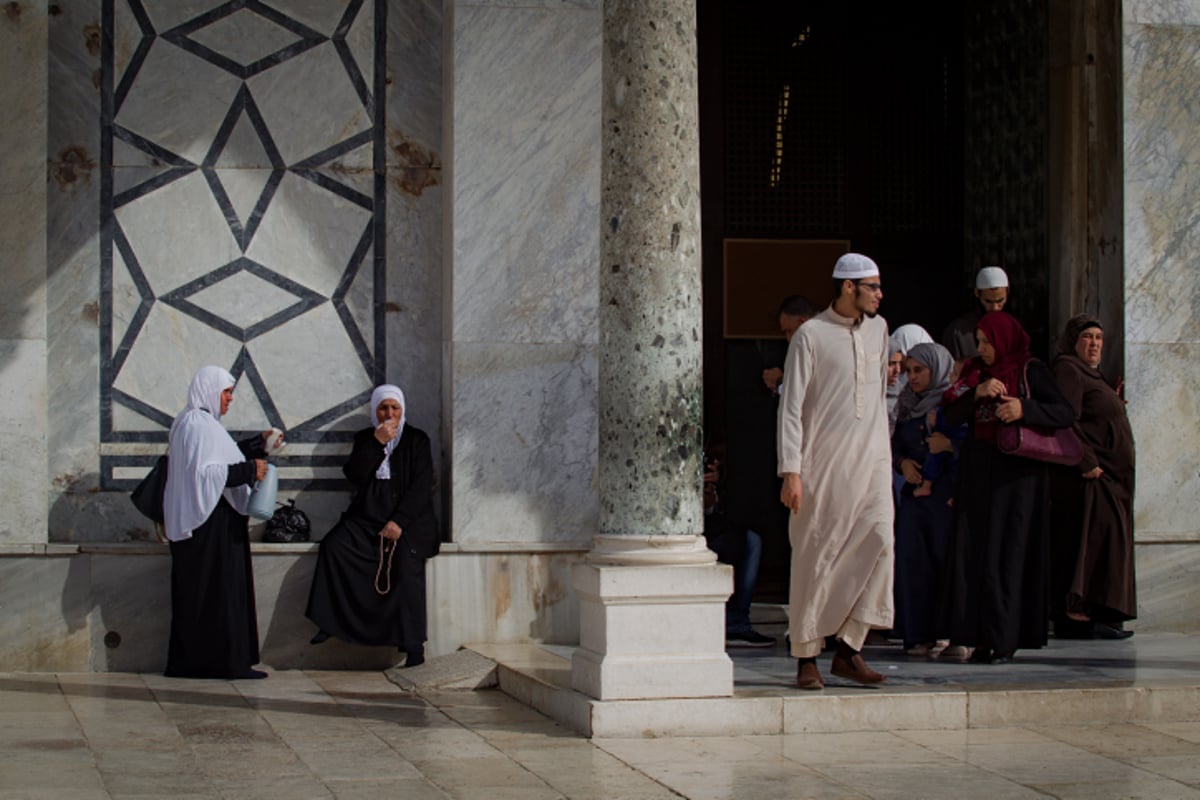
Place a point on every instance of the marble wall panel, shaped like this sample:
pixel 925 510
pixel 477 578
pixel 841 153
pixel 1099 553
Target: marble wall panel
pixel 525 443
pixel 501 597
pixel 72 278
pixel 1162 247
pixel 1162 183
pixel 1167 596
pixel 44 608
pixel 23 440
pixel 1163 387
pixel 1161 12
pixel 526 149
pixel 130 600
pixel 301 111
pixel 414 112
pixel 23 95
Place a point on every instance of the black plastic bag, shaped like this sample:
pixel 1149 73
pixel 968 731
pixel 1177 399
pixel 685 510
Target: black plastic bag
pixel 287 525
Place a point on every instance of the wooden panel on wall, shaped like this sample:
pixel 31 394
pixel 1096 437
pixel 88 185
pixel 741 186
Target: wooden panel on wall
pixel 759 273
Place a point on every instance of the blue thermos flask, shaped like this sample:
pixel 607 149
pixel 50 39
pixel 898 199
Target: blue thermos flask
pixel 262 499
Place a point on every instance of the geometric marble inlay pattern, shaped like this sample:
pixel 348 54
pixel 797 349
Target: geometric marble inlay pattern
pixel 232 231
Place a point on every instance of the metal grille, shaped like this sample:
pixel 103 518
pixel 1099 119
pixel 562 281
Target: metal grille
pixel 1006 132
pixel 785 117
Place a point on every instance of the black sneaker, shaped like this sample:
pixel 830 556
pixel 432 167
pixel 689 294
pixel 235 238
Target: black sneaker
pixel 750 638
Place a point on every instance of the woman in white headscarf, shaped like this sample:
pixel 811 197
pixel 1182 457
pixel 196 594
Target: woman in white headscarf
pixel 903 339
pixel 214 629
pixel 369 584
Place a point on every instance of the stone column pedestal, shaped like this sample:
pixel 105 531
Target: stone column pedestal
pixel 651 595
pixel 653 626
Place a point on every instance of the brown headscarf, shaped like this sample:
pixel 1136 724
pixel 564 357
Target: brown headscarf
pixel 1076 325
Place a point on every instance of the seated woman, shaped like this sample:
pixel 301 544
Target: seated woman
pixel 1093 503
pixel 923 453
pixel 998 553
pixel 369 585
pixel 214 628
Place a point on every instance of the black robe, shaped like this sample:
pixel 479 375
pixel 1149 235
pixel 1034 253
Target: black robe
pixel 997 561
pixel 923 526
pixel 343 600
pixel 1093 545
pixel 214 623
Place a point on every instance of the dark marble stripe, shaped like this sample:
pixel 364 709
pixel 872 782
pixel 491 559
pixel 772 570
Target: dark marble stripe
pixel 380 164
pixel 330 153
pixel 245 365
pixel 340 189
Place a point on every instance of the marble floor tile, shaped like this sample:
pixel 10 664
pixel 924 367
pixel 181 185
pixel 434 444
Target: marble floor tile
pixel 1121 742
pixel 1189 731
pixel 355 735
pixel 892 780
pixel 1134 786
pixel 848 748
pixel 1182 768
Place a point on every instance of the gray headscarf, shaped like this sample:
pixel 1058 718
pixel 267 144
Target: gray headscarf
pixel 940 364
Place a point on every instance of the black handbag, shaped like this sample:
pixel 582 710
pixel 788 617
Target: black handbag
pixel 148 496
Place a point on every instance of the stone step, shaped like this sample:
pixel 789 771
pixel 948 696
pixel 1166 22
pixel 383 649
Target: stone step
pixel 1154 677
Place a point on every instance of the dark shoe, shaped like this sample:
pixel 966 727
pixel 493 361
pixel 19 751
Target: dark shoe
pixel 1003 658
pixel 318 637
pixel 1102 630
pixel 750 638
pixel 808 677
pixel 982 655
pixel 415 659
pixel 251 675
pixel 855 669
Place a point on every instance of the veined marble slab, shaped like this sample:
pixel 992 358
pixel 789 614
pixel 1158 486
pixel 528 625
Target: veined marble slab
pixel 525 442
pixel 526 150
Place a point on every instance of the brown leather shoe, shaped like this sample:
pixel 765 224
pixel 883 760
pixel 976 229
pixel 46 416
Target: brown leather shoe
pixel 855 669
pixel 808 676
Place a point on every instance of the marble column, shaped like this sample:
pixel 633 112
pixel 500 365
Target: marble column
pixel 651 595
pixel 23 95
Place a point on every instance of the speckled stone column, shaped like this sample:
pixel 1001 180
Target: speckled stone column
pixel 651 595
pixel 650 295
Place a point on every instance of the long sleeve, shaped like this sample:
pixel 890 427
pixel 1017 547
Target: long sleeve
pixel 364 459
pixel 415 497
pixel 1070 384
pixel 1045 405
pixel 790 422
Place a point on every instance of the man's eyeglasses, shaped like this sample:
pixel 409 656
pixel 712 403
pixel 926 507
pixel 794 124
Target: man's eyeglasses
pixel 870 287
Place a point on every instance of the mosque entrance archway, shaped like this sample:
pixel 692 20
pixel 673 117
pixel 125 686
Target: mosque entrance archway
pixel 936 138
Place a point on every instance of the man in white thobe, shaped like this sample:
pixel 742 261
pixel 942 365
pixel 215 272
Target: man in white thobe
pixel 835 461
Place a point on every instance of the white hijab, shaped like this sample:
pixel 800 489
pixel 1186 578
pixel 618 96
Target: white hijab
pixel 903 339
pixel 383 392
pixel 199 456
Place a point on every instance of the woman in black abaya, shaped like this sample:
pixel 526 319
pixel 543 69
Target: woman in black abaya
pixel 369 585
pixel 214 629
pixel 998 556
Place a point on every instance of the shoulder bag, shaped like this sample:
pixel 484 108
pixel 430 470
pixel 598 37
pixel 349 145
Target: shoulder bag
pixel 1052 445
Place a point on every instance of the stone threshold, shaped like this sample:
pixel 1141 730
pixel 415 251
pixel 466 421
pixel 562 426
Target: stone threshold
pixel 540 677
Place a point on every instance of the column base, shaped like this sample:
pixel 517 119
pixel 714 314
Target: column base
pixel 652 631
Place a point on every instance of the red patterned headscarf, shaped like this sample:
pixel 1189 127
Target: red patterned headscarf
pixel 1011 343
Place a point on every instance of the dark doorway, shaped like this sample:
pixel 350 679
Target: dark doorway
pixel 915 133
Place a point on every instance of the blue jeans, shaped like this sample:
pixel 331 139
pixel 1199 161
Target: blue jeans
pixel 744 553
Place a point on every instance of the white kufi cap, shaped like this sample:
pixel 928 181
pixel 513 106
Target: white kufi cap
pixel 991 278
pixel 853 266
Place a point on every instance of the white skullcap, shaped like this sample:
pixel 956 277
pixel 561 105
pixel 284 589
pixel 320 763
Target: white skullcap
pixel 991 278
pixel 853 266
